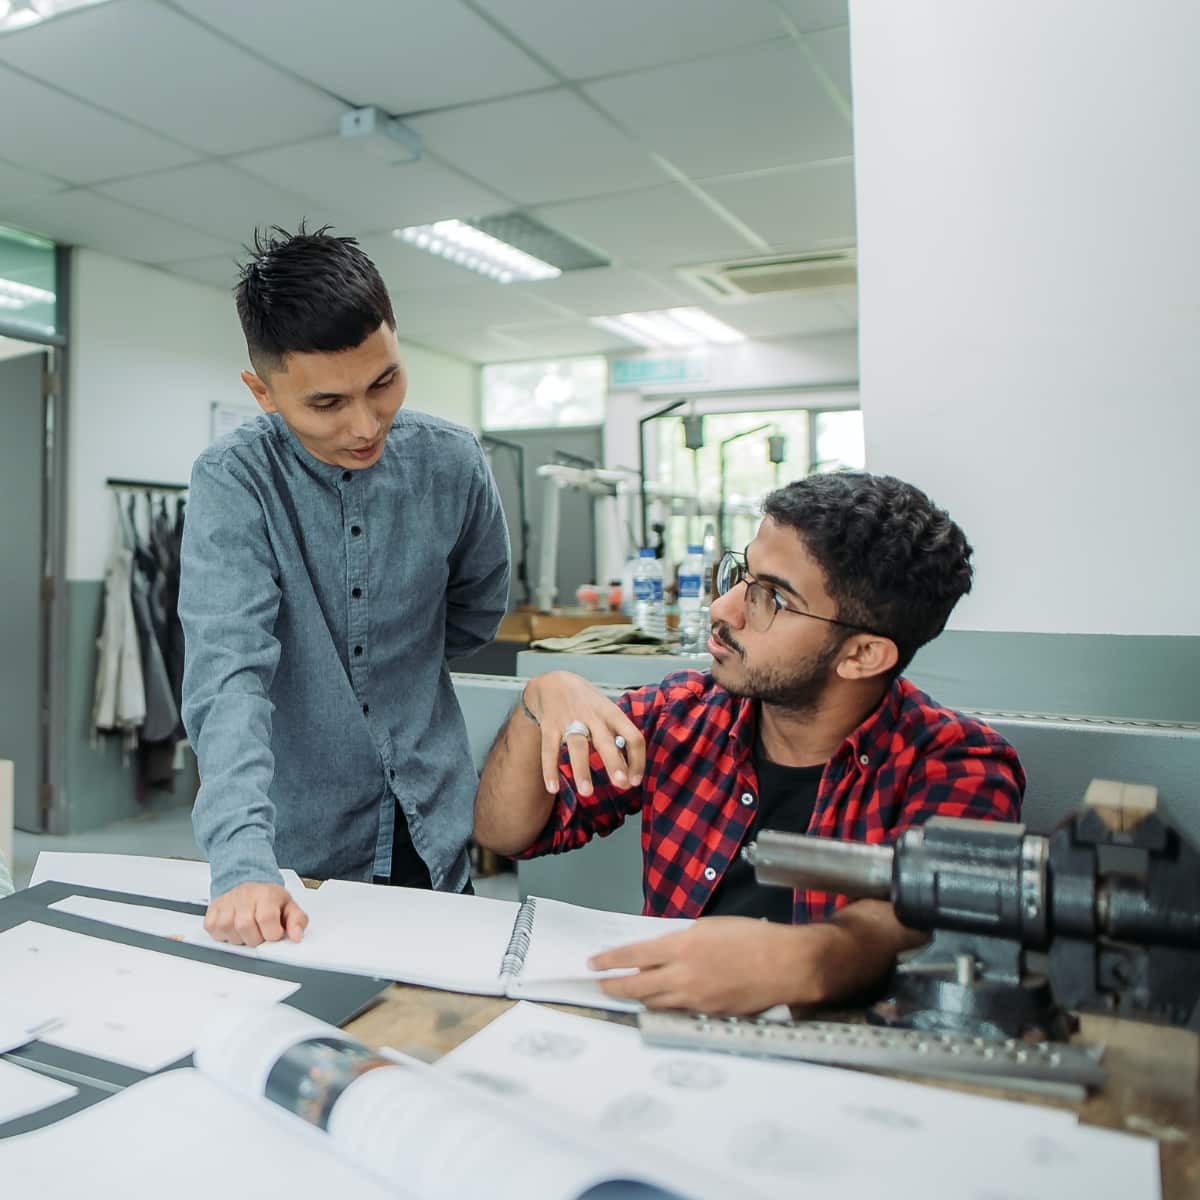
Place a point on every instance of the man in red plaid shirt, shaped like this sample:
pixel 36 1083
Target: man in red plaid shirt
pixel 804 724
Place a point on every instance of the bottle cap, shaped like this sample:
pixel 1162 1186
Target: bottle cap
pixel 646 552
pixel 695 549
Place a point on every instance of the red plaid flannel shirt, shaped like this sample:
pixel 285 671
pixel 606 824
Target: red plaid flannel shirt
pixel 908 761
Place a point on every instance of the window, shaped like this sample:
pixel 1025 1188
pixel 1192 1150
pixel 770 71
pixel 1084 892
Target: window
pixel 27 290
pixel 543 395
pixel 837 441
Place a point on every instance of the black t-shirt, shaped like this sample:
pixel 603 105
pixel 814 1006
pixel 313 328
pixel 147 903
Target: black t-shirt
pixel 786 798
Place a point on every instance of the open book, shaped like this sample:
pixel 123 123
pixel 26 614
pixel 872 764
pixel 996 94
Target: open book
pixel 535 950
pixel 281 1104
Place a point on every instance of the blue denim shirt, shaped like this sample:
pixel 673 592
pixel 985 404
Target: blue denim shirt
pixel 319 607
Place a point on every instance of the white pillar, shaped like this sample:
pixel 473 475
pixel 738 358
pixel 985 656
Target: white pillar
pixel 1028 179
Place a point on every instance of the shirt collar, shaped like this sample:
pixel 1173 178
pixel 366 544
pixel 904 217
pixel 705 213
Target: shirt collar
pixel 327 472
pixel 869 739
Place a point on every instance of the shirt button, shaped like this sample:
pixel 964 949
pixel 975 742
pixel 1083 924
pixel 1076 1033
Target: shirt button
pixel 346 476
pixel 355 530
pixel 864 760
pixel 357 651
pixel 356 592
pixel 747 798
pixel 366 709
pixel 710 873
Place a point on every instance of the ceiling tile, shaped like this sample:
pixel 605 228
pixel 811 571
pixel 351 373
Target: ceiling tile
pixel 479 304
pixel 61 136
pixel 605 290
pixel 660 226
pixel 377 195
pixel 743 112
pixel 832 50
pixel 221 271
pixel 174 76
pixel 406 58
pixel 798 208
pixel 817 14
pixel 84 218
pixel 785 316
pixel 221 199
pixel 16 183
pixel 584 39
pixel 539 148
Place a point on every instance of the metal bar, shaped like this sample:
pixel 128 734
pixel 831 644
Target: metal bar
pixel 145 485
pixel 826 864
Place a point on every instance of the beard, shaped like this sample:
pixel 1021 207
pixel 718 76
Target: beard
pixel 795 686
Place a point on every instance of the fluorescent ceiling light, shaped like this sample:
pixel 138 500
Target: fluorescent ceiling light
pixel 21 295
pixel 670 327
pixel 469 247
pixel 16 14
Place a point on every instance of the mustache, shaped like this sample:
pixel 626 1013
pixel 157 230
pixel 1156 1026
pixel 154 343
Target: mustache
pixel 720 631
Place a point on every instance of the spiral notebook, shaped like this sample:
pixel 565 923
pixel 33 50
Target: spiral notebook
pixel 535 950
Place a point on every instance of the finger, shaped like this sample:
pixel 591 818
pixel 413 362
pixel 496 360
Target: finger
pixel 635 748
pixel 551 744
pixel 655 982
pixel 612 758
pixel 295 920
pixel 245 929
pixel 217 922
pixel 642 955
pixel 267 914
pixel 579 751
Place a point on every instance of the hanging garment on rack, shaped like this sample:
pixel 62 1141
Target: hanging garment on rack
pixel 162 717
pixel 119 705
pixel 166 536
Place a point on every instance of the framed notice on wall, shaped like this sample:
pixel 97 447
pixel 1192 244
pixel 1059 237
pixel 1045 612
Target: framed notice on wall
pixel 227 417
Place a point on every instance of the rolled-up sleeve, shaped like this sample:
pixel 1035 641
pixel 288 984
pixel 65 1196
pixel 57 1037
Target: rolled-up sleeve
pixel 477 588
pixel 229 599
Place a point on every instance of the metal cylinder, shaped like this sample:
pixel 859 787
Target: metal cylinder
pixel 824 864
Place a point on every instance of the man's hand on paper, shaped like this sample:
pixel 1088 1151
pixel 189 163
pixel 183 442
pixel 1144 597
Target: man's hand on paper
pixel 722 965
pixel 557 701
pixel 253 913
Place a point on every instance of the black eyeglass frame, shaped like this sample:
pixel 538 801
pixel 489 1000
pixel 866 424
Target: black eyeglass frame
pixel 732 570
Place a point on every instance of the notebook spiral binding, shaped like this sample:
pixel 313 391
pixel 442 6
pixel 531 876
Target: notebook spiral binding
pixel 518 943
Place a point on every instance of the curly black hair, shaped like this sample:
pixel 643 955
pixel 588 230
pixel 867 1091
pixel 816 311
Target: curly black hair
pixel 307 292
pixel 893 561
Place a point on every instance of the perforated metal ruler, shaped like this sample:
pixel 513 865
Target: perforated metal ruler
pixel 1049 1067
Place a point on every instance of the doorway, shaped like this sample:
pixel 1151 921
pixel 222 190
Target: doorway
pixel 24 369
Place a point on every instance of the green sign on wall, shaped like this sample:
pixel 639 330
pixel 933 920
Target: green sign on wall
pixel 653 370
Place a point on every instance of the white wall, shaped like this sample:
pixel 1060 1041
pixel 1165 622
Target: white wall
pixel 150 354
pixel 1029 250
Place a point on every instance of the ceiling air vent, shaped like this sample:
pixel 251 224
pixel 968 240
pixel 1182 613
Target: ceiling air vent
pixel 733 282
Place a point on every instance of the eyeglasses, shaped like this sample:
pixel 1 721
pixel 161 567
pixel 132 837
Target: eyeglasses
pixel 763 602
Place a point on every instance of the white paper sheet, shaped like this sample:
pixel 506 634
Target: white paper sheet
pixel 23 1092
pixel 778 1127
pixel 431 938
pixel 181 1136
pixel 162 878
pixel 416 936
pixel 21 1022
pixel 122 1003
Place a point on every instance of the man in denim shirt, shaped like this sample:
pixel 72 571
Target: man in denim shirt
pixel 337 552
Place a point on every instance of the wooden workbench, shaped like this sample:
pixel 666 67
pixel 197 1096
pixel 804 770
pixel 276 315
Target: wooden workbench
pixel 1151 1090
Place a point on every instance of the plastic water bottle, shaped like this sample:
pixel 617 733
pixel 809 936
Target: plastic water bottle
pixel 691 599
pixel 708 584
pixel 648 612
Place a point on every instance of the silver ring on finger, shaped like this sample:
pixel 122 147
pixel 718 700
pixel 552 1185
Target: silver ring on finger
pixel 577 728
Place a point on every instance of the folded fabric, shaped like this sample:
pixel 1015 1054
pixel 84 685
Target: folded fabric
pixel 603 639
